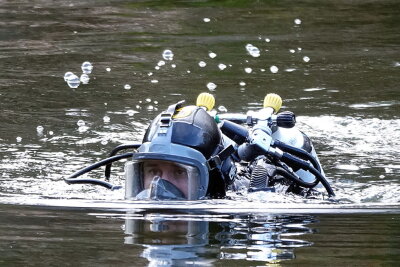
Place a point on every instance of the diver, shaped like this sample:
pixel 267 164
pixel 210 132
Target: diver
pixel 189 153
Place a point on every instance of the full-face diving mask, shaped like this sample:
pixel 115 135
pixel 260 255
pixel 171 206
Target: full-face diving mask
pixel 181 174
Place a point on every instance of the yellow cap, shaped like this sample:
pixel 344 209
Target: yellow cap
pixel 205 100
pixel 274 101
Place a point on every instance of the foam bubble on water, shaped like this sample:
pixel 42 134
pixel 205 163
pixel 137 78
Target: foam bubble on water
pixel 148 100
pixel 206 20
pixel 297 21
pixel 19 139
pixel 211 86
pixel 84 79
pixel 106 119
pixel 242 83
pixel 292 51
pixel 150 107
pixel 267 40
pixel 212 55
pixel 222 109
pixel 221 66
pixel 397 64
pixel 161 63
pixel 290 69
pixel 274 69
pixel 168 55
pixel 104 142
pixel 157 67
pixel 188 71
pixel 202 64
pixel 131 112
pixel 154 81
pixel 81 123
pixel 73 81
pixel 87 67
pixel 127 87
pixel 173 66
pixel 67 74
pixel 108 69
pixel 248 70
pixel 299 48
pixel 51 132
pixel 253 50
pixel 306 59
pixel 149 74
pixel 39 129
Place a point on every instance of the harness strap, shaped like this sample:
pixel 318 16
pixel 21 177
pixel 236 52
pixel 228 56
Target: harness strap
pixel 216 161
pixel 166 116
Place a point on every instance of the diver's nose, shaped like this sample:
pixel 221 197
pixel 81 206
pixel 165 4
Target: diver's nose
pixel 167 175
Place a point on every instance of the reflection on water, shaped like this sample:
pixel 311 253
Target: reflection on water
pixel 169 241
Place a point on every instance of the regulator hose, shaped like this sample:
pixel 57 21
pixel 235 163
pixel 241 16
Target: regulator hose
pixel 292 160
pixel 298 153
pixel 294 178
pixel 72 178
pixel 107 171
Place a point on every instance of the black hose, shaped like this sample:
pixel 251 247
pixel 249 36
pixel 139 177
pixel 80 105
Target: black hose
pixel 71 179
pixel 92 181
pixel 293 178
pixel 292 160
pixel 107 171
pixel 298 153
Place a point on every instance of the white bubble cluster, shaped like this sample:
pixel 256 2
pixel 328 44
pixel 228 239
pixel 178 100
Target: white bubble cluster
pixel 274 69
pixel 211 86
pixel 127 87
pixel 297 21
pixel 212 55
pixel 84 78
pixel 106 119
pixel 168 55
pixel 87 67
pixel 306 59
pixel 248 70
pixel 253 50
pixel 202 64
pixel 81 123
pixel 221 66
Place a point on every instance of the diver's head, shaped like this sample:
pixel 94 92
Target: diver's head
pixel 173 161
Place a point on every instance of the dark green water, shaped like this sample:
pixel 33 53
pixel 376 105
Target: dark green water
pixel 337 65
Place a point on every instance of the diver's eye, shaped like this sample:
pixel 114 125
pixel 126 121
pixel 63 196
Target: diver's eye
pixel 154 172
pixel 181 172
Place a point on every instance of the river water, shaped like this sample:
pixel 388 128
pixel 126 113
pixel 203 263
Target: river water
pixel 335 64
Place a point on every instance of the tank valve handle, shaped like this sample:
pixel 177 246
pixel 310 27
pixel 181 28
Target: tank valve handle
pixel 205 100
pixel 273 101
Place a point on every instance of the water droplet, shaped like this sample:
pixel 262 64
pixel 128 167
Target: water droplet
pixel 202 64
pixel 206 20
pixel 130 112
pixel 104 142
pixel 252 50
pixel 87 67
pixel 84 79
pixel 106 119
pixel 108 69
pixel 248 70
pixel 306 59
pixel 19 139
pixel 211 86
pixel 168 55
pixel 274 69
pixel 242 83
pixel 67 74
pixel 221 66
pixel 127 87
pixel 297 21
pixel 212 55
pixel 80 123
pixel 39 129
pixel 222 109
pixel 161 63
pixel 73 81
